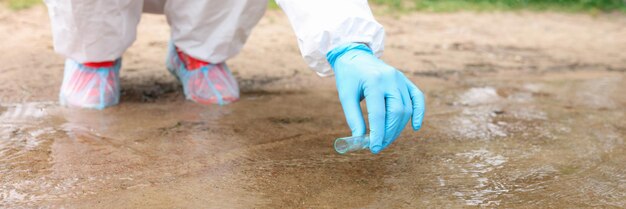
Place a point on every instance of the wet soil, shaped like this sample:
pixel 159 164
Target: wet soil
pixel 524 110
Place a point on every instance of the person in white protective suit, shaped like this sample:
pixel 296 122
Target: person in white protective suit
pixel 334 36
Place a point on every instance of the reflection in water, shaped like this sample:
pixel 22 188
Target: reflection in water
pixel 500 141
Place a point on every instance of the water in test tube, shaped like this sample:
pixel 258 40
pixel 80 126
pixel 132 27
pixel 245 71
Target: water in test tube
pixel 352 143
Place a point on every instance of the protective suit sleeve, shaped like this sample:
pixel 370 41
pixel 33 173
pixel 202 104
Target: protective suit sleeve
pixel 322 25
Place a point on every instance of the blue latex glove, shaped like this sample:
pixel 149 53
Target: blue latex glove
pixel 391 98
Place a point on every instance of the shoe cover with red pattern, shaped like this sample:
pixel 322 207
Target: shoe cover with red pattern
pixel 90 85
pixel 203 82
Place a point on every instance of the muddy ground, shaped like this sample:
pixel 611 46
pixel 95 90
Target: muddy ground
pixel 523 110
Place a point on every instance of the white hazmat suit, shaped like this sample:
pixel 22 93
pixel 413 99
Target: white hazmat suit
pixel 209 30
pixel 341 33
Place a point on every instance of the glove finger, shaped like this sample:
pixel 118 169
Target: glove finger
pixel 394 116
pixel 407 111
pixel 419 105
pixel 350 102
pixel 408 105
pixel 375 101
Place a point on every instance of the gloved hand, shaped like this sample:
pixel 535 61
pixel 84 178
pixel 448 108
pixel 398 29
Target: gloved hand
pixel 390 97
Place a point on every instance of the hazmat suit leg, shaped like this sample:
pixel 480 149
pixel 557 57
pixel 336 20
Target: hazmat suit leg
pixel 93 30
pixel 92 35
pixel 212 30
pixel 101 30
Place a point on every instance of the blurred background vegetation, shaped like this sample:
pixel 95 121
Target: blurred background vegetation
pixel 504 5
pixel 594 6
pixel 20 4
pixel 498 5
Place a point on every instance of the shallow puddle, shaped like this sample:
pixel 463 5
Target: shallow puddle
pixel 503 139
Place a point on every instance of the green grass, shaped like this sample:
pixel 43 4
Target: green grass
pixel 504 5
pixel 272 5
pixel 20 4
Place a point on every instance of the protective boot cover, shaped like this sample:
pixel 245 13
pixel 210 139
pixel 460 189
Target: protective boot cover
pixel 209 84
pixel 90 87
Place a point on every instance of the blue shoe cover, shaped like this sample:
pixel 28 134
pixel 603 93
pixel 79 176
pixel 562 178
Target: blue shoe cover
pixel 210 84
pixel 89 87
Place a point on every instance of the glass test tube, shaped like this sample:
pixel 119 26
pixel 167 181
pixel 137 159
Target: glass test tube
pixel 352 143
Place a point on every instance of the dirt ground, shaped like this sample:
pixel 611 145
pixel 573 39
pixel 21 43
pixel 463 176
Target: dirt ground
pixel 523 110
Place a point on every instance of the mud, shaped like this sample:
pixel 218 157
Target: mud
pixel 524 110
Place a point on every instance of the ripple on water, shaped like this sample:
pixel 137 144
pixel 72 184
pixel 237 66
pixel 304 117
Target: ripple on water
pixel 482 111
pixel 21 128
pixel 479 107
pixel 479 95
pixel 596 93
pixel 22 152
pixel 476 166
pixel 26 112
